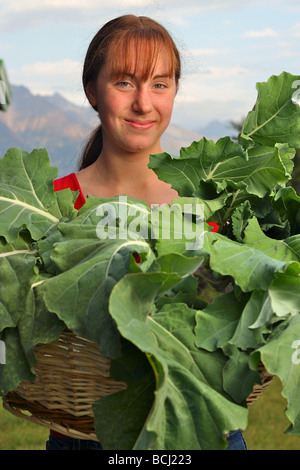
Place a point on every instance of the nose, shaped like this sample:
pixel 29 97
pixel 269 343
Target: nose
pixel 142 100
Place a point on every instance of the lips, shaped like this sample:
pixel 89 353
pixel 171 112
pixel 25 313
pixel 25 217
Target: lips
pixel 140 125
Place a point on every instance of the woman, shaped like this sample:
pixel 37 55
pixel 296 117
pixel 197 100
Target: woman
pixel 134 97
pixel 131 75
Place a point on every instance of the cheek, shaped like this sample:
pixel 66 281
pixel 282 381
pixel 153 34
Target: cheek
pixel 108 103
pixel 167 108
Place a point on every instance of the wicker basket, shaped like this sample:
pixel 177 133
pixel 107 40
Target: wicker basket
pixel 71 374
pixel 258 389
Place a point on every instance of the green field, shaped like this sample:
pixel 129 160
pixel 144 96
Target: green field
pixel 267 423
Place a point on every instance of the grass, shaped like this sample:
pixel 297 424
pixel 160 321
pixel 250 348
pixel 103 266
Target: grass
pixel 267 423
pixel 20 434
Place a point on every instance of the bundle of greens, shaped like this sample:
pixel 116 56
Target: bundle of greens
pixel 184 328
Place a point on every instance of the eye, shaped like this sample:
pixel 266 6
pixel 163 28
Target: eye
pixel 123 83
pixel 160 86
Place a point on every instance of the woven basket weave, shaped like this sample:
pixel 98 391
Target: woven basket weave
pixel 71 375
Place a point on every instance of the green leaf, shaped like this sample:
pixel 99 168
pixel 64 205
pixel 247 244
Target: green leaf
pixel 88 269
pixel 17 273
pixel 251 268
pixel 285 294
pixel 178 263
pixel 240 219
pixel 27 199
pixel 275 117
pixel 16 368
pixel 120 417
pixel 285 250
pixel 185 396
pixel 36 325
pixel 225 164
pixel 203 160
pixel 280 358
pixel 254 319
pixel 237 371
pixel 216 324
pixel 178 227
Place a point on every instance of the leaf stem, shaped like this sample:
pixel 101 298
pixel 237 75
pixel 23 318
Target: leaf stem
pixel 31 208
pixel 16 252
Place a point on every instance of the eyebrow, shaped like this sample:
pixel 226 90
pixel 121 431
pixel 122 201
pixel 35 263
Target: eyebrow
pixel 132 75
pixel 163 75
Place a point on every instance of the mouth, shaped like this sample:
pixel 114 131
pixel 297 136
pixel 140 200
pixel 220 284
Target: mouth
pixel 140 125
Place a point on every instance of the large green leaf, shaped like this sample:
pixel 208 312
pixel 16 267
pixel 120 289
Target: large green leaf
pixel 224 163
pixel 237 371
pixel 188 411
pixel 16 368
pixel 33 325
pixel 17 273
pixel 202 161
pixel 285 294
pixel 251 268
pixel 254 319
pixel 88 270
pixel 281 359
pixel 216 324
pixel 285 250
pixel 120 417
pixel 275 117
pixel 27 198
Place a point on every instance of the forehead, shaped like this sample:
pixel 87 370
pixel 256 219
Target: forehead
pixel 142 58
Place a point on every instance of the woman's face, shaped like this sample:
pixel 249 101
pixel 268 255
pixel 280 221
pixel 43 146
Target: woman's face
pixel 134 112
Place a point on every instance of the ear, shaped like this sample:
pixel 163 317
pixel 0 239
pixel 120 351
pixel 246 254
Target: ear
pixel 90 91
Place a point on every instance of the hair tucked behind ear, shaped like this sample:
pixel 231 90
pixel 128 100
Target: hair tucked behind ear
pixel 116 37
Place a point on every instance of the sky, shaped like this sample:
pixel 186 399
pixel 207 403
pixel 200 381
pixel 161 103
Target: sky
pixel 227 46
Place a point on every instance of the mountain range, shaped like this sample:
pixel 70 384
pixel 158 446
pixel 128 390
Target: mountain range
pixel 52 122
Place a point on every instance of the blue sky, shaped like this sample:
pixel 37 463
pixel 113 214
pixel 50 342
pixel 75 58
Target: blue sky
pixel 227 46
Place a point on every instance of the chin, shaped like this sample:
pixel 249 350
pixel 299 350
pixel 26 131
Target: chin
pixel 142 146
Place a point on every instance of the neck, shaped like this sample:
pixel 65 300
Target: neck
pixel 114 174
pixel 126 170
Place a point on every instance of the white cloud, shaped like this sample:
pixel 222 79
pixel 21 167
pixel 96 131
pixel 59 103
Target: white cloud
pixel 88 5
pixel 204 52
pixel 189 6
pixel 263 33
pixel 60 69
pixel 296 30
pixel 224 88
pixel 24 13
pixel 46 78
pixel 221 72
